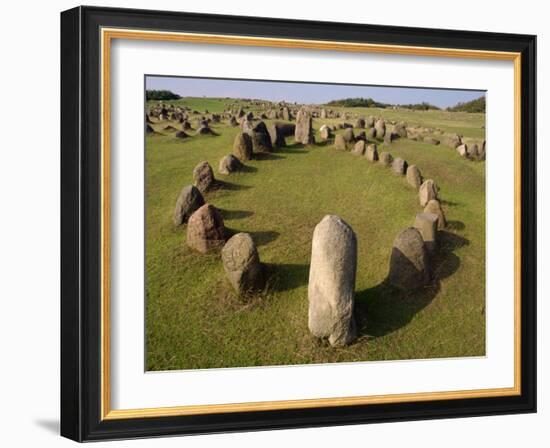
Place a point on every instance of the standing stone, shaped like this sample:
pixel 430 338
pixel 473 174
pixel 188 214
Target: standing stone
pixel 462 150
pixel 323 114
pixel 229 164
pixel 261 142
pixel 380 127
pixel 233 121
pixel 241 263
pixel 331 289
pixel 427 192
pixel 325 132
pixel 401 130
pixel 371 133
pixel 399 166
pixel 203 177
pixel 360 123
pixel 286 114
pixel 474 151
pixel 434 206
pixel 304 132
pixel 390 137
pixel 371 153
pixel 426 224
pixel 454 141
pixel 205 229
pixel 409 267
pixel 204 130
pixel 370 121
pixel 481 152
pixel 385 158
pixel 348 135
pixel 189 200
pixel 358 148
pixel 414 178
pixel 339 142
pixel 276 135
pixel 242 146
pixel 185 125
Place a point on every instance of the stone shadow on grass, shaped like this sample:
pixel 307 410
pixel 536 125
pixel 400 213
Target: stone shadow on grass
pixel 224 185
pixel 235 214
pixel 383 309
pixel 266 156
pixel 287 150
pixel 259 238
pixel 455 225
pixel 285 276
pixel 247 169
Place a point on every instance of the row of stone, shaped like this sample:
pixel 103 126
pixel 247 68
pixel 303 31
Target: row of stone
pixel 206 231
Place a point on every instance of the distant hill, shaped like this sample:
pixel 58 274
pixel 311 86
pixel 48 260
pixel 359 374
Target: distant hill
pixel 161 95
pixel 477 105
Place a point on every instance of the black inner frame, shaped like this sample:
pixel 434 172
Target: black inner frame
pixel 81 223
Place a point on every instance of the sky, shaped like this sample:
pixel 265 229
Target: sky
pixel 307 93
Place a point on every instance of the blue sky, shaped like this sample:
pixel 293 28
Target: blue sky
pixel 306 92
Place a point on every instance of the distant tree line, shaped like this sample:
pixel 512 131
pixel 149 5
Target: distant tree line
pixel 419 106
pixel 161 95
pixel 369 102
pixel 356 102
pixel 477 105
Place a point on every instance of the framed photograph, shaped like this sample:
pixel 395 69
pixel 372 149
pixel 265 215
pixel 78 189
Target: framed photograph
pixel 273 223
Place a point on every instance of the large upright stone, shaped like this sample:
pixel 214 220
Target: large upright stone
pixel 481 153
pixel 380 127
pixel 399 166
pixel 414 178
pixel 371 133
pixel 426 224
pixel 409 268
pixel 261 142
pixel 325 132
pixel 229 164
pixel 463 150
pixel 454 141
pixel 189 200
pixel 286 114
pixel 304 132
pixel 434 206
pixel 385 158
pixel 331 289
pixel 339 142
pixel 371 153
pixel 360 123
pixel 206 230
pixel 241 263
pixel 276 135
pixel 427 192
pixel 370 121
pixel 348 135
pixel 203 176
pixel 242 146
pixel 401 129
pixel 358 148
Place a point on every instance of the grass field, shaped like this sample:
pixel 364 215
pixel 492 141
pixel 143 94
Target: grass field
pixel 195 320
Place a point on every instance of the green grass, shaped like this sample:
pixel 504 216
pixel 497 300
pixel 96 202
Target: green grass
pixel 193 318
